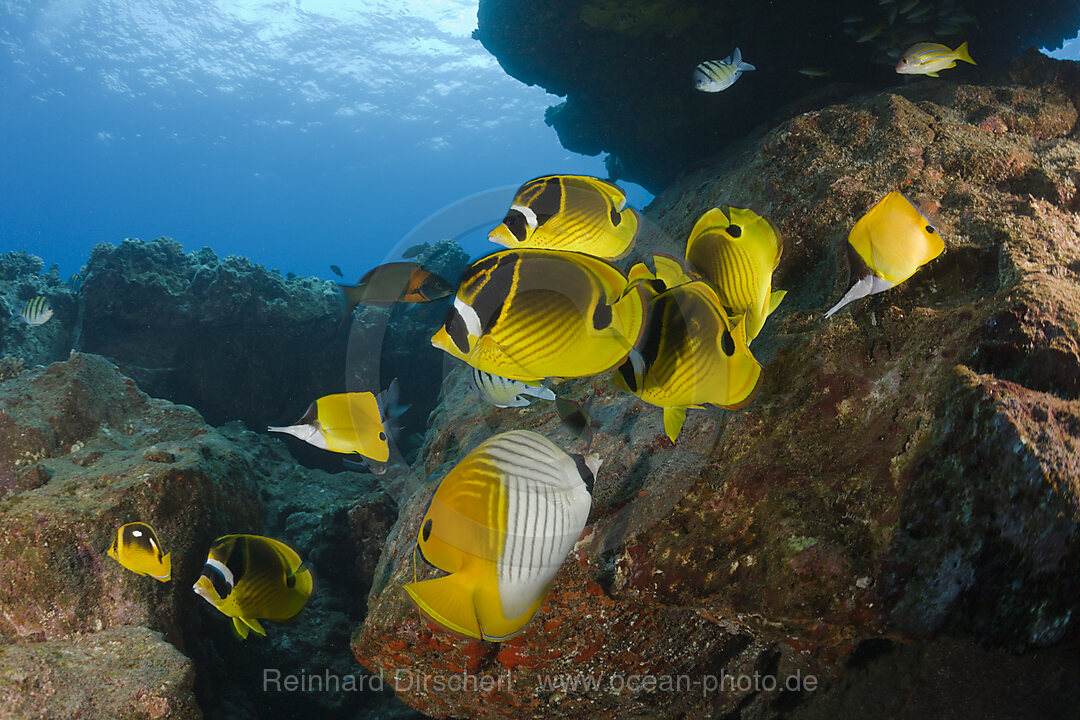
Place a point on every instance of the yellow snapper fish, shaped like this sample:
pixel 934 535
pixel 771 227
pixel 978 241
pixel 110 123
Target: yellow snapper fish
pixel 248 577
pixel 716 75
pixel 569 212
pixel 137 548
pixel 343 423
pixel 737 252
pixel 691 353
pixel 888 244
pixel 530 314
pixel 928 58
pixel 504 392
pixel 501 523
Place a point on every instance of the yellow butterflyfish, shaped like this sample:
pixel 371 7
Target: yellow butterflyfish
pixel 888 244
pixel 501 523
pixel 137 548
pixel 737 252
pixel 248 577
pixel 530 314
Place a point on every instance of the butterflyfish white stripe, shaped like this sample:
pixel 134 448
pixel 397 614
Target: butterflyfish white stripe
pixel 530 215
pixel 468 316
pixel 223 569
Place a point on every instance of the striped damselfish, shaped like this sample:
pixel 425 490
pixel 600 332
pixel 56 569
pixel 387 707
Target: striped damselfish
pixel 530 314
pixel 504 392
pixel 717 75
pixel 501 523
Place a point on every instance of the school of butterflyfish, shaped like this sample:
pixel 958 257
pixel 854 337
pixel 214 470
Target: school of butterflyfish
pixel 674 332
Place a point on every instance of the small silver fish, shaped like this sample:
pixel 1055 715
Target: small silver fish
pixel 716 75
pixel 871 33
pixel 504 392
pixel 36 311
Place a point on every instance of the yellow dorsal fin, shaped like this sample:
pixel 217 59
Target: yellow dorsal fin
pixel 670 270
pixel 449 602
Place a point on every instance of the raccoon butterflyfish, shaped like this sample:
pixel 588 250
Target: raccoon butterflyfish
pixel 530 314
pixel 716 75
pixel 690 354
pixel 930 58
pixel 248 577
pixel 669 273
pixel 737 251
pixel 504 392
pixel 343 423
pixel 501 523
pixel 888 244
pixel 396 282
pixel 137 548
pixel 569 212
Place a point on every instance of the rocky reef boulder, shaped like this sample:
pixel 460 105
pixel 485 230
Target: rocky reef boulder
pixel 21 279
pixel 226 336
pixel 625 67
pixel 127 673
pixel 909 470
pixel 82 451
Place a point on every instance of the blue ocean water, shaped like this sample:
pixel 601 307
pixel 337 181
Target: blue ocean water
pixel 300 134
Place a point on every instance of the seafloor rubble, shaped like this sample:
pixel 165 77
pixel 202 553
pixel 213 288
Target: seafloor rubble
pixel 910 469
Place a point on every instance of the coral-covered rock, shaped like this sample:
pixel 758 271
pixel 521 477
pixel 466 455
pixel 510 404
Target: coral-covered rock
pixel 909 468
pixel 625 66
pixel 83 451
pixel 127 673
pixel 228 337
pixel 21 278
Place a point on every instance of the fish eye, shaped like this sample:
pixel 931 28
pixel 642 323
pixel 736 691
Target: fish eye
pixel 382 435
pixel 734 230
pixel 727 343
pixel 930 229
pixel 425 533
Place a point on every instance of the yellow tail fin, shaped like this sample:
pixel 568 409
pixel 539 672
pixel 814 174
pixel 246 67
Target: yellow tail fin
pixel 963 54
pixel 449 602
